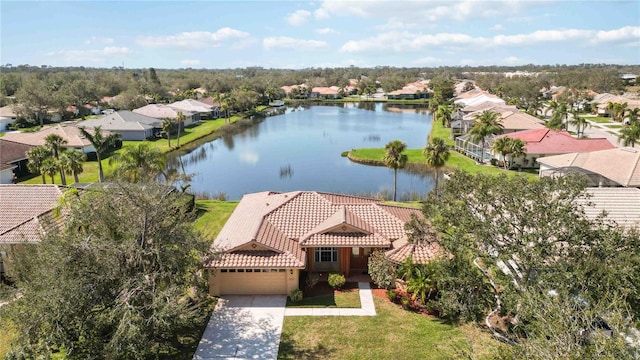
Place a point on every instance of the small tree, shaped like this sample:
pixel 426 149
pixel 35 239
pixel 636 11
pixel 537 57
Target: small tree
pixel 395 159
pixel 382 270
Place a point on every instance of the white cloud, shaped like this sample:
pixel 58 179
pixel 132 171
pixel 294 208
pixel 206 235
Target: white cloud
pixel 326 31
pixel 284 42
pixel 497 27
pixel 98 40
pixel 193 39
pixel 92 55
pixel 404 41
pixel 190 62
pixel 298 17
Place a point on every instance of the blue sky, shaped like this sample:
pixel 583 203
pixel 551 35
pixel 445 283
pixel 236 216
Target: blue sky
pixel 300 34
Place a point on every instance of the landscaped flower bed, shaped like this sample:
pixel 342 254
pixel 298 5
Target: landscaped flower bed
pixel 323 295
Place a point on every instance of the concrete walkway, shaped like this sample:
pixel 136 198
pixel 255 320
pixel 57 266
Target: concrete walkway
pixel 244 327
pixel 367 307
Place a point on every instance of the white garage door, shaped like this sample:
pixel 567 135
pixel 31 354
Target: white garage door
pixel 252 281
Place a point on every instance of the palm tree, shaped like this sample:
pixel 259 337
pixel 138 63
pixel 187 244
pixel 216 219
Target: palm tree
pixel 436 152
pixel 72 161
pixel 579 122
pixel 487 123
pixel 50 167
pixel 180 123
pixel 35 158
pixel 502 146
pixel 517 148
pixel 444 114
pixel 630 134
pixel 167 128
pixel 56 143
pixel 139 163
pixel 552 105
pixel 395 159
pixel 102 144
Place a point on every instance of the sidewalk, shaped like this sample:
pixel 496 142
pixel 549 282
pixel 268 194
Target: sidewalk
pixel 366 302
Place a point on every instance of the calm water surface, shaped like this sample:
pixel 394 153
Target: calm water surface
pixel 300 150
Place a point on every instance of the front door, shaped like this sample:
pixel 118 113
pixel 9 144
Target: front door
pixel 360 258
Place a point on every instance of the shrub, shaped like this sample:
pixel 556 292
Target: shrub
pixel 295 295
pixel 381 270
pixel 336 280
pixel 392 295
pixel 313 278
pixel 405 301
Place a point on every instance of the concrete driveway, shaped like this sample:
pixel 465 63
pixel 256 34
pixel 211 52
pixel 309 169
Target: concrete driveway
pixel 243 327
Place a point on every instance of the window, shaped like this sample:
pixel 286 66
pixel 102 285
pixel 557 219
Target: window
pixel 326 254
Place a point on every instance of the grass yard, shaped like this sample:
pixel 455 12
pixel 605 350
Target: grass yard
pixel 599 119
pixel 323 296
pixel 212 215
pixel 393 334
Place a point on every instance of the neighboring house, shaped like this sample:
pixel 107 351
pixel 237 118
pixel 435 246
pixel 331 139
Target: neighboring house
pixel 194 106
pixel 26 214
pixel 601 102
pixel 621 205
pixel 159 111
pixel 271 237
pixel 70 133
pixel 417 90
pixel 302 90
pixel 547 142
pixel 323 92
pixel 478 99
pixel 13 160
pixel 7 117
pixel 464 119
pixel 216 106
pixel 129 125
pixel 613 167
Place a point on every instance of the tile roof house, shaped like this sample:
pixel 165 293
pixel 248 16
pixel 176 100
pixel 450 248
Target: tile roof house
pixel 160 111
pixel 271 236
pixel 415 90
pixel 621 205
pixel 13 160
pixel 547 142
pixel 69 132
pixel 613 167
pixel 323 92
pixel 477 99
pixel 195 106
pixel 26 214
pixel 130 125
pixel 7 116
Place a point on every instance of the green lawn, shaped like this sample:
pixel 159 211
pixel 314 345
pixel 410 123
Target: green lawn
pixel 349 298
pixel 212 214
pixel 393 334
pixel 599 119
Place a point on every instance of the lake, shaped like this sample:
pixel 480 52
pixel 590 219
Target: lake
pixel 300 150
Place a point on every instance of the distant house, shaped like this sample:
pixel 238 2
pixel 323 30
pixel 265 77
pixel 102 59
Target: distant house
pixel 13 160
pixel 416 90
pixel 70 133
pixel 296 90
pixel 477 99
pixel 26 214
pixel 216 106
pixel 612 167
pixel 271 237
pixel 547 142
pixel 194 106
pixel 630 78
pixel 461 123
pixel 130 125
pixel 7 117
pixel 323 92
pixel 159 111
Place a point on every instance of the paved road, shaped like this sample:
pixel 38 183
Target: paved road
pixel 243 327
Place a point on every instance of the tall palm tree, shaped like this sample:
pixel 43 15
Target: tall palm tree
pixel 72 161
pixel 167 128
pixel 444 114
pixel 517 149
pixel 502 146
pixel 630 134
pixel 180 124
pixel 552 105
pixel 56 143
pixel 395 159
pixel 436 152
pixel 579 122
pixel 102 144
pixel 35 158
pixel 50 167
pixel 487 123
pixel 139 163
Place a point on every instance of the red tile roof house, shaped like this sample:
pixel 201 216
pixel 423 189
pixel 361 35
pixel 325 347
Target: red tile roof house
pixel 271 237
pixel 547 142
pixel 26 214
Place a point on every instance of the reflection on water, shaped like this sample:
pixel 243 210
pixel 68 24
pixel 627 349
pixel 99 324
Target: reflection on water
pixel 261 154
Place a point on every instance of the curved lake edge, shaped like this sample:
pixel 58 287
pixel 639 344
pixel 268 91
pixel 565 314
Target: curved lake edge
pixel 414 166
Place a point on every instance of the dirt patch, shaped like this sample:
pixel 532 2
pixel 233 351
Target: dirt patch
pixel 323 288
pixel 380 293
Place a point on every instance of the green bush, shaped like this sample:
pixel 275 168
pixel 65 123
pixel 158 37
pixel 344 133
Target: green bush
pixel 336 280
pixel 405 301
pixel 381 270
pixel 313 278
pixel 392 295
pixel 295 295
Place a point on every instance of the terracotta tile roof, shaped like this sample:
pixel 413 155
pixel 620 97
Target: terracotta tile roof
pixel 420 253
pixel 322 90
pixel 26 211
pixel 547 141
pixel 256 259
pixel 285 222
pixel 621 165
pixel 621 205
pixel 67 131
